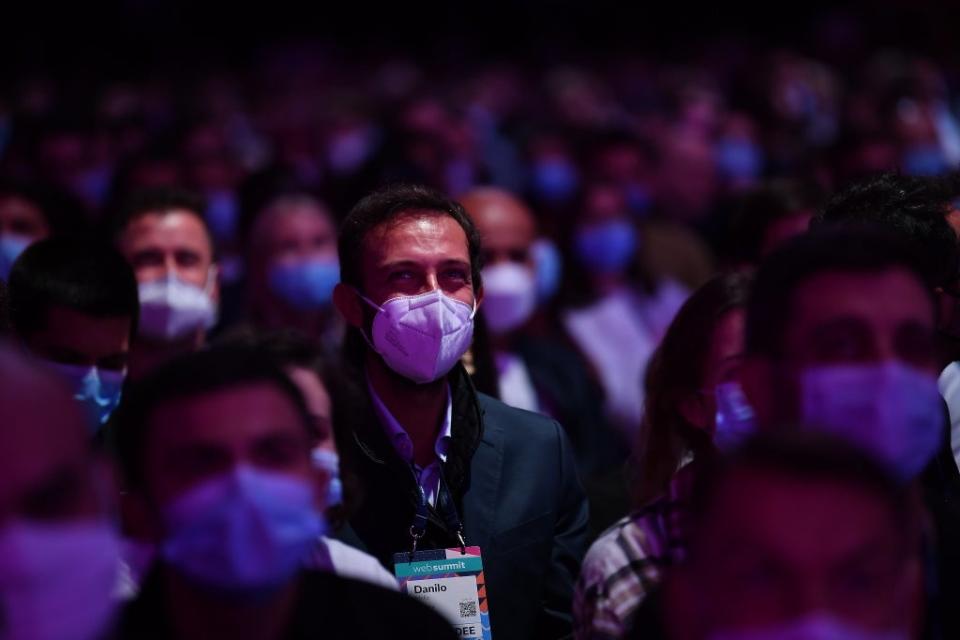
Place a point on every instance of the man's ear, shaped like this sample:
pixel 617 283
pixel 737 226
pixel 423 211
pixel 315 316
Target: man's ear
pixel 478 296
pixel 348 303
pixel 213 283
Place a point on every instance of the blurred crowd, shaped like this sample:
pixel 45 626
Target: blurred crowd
pixel 674 345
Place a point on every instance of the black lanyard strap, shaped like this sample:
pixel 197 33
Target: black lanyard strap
pixel 446 506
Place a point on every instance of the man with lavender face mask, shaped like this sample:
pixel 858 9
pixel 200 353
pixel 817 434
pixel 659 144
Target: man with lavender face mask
pixel 420 438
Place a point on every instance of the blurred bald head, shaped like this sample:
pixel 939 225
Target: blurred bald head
pixel 46 470
pixel 507 226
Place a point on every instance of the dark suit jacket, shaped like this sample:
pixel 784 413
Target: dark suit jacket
pixel 514 481
pixel 567 392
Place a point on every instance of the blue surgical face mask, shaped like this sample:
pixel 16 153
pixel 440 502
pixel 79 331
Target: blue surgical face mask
pixel 222 214
pixel 98 390
pixel 548 268
pixel 739 158
pixel 638 198
pixel 306 284
pixel 246 532
pixel 735 419
pixel 892 411
pixel 11 246
pixel 608 247
pixel 555 180
pixel 329 461
pixel 924 160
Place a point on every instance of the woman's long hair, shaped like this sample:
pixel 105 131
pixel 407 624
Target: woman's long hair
pixel 676 371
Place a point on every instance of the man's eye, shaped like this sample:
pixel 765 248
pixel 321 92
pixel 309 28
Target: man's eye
pixel 458 274
pixel 401 275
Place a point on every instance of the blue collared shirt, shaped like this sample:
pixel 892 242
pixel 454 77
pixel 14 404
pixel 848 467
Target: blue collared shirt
pixel 429 476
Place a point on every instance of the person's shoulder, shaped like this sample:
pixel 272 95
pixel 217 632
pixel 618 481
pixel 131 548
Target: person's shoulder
pixel 615 548
pixel 399 615
pixel 517 423
pixel 353 563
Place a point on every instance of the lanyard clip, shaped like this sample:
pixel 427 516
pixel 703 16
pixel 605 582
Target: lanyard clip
pixel 463 543
pixel 415 535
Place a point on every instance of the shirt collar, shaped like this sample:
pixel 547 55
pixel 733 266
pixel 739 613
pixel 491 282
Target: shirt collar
pixel 399 437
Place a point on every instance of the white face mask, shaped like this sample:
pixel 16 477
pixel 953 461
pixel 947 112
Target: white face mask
pixel 510 296
pixel 171 309
pixel 816 626
pixel 892 411
pixel 422 337
pixel 57 581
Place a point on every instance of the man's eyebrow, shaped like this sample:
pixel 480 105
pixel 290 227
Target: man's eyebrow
pixel 839 323
pixel 399 263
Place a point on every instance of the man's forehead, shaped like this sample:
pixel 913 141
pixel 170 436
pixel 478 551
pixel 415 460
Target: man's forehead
pixel 229 414
pixel 893 293
pixel 417 235
pixel 179 225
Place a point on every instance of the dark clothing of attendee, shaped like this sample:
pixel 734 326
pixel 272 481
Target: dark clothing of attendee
pixel 566 392
pixel 513 480
pixel 941 485
pixel 328 607
pixel 648 621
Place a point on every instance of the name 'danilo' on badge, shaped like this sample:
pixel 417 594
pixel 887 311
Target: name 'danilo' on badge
pixel 435 588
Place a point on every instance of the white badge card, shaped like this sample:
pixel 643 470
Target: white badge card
pixel 451 582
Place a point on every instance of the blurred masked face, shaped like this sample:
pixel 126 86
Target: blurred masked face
pixel 172 257
pixel 605 239
pixel 295 256
pixel 233 498
pixel 58 551
pixel 858 360
pixel 508 231
pixel 777 552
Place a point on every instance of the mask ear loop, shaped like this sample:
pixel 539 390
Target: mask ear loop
pixel 379 310
pixel 212 273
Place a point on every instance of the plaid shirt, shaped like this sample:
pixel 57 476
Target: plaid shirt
pixel 627 561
